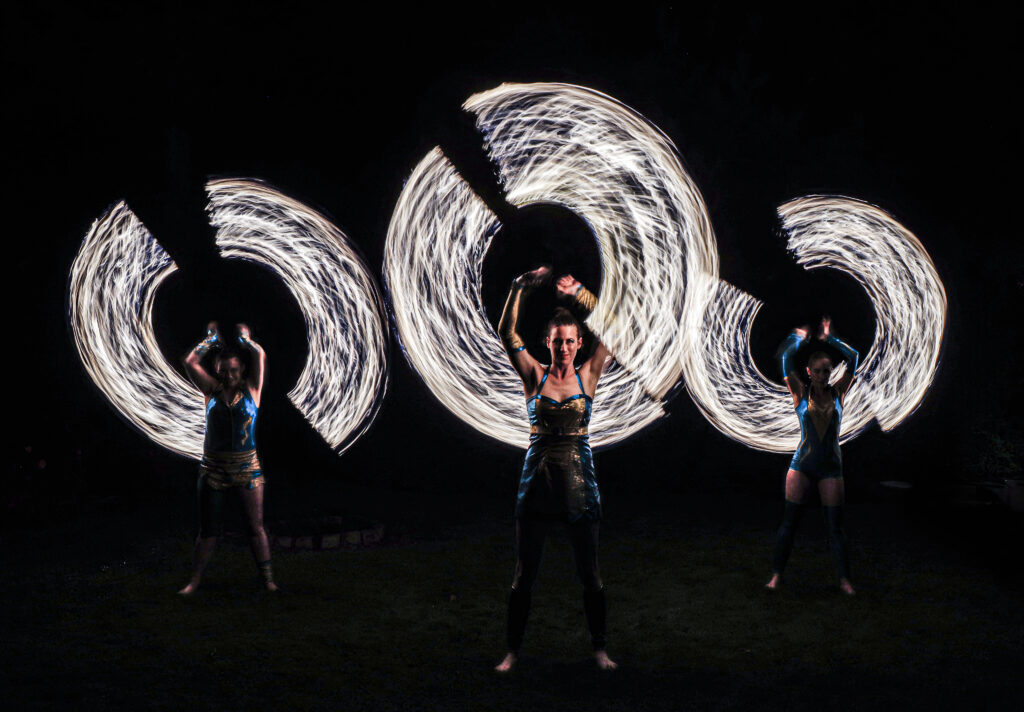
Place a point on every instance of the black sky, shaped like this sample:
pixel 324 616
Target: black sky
pixel 905 109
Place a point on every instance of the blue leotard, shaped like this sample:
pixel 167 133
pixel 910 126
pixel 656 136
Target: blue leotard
pixel 818 454
pixel 229 449
pixel 558 479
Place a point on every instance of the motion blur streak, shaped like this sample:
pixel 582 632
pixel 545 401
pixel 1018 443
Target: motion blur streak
pixel 909 300
pixel 114 279
pixel 562 144
pixel 439 233
pixel 119 267
pixel 340 388
pixel 552 143
pixel 910 310
pixel 663 310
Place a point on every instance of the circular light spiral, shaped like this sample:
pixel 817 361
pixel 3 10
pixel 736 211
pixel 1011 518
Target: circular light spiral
pixel 571 146
pixel 120 266
pixel 341 385
pixel 663 310
pixel 910 310
pixel 114 280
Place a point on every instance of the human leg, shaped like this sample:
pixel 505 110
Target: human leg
pixel 584 537
pixel 530 536
pixel 211 525
pixel 252 500
pixel 833 496
pixel 796 489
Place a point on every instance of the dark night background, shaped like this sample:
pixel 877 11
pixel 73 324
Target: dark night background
pixel 906 109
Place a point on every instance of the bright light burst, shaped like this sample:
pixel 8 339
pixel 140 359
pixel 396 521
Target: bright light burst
pixel 571 146
pixel 120 265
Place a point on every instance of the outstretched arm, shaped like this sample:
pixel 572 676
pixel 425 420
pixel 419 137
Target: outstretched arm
pixel 585 301
pixel 255 377
pixel 850 356
pixel 525 364
pixel 193 361
pixel 787 355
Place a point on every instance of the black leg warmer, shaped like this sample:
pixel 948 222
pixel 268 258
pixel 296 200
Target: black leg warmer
pixel 595 607
pixel 784 539
pixel 837 541
pixel 518 612
pixel 211 510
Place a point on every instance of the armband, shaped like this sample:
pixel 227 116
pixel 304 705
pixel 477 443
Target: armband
pixel 585 299
pixel 509 319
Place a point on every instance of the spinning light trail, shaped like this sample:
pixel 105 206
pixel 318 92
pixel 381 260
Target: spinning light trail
pixel 663 309
pixel 341 385
pixel 574 147
pixel 910 308
pixel 114 280
pixel 120 266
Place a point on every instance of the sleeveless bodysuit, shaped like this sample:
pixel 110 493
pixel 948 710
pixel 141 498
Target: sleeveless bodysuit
pixel 229 450
pixel 558 480
pixel 818 454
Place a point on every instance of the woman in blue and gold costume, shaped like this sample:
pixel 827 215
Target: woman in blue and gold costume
pixel 558 483
pixel 230 461
pixel 819 406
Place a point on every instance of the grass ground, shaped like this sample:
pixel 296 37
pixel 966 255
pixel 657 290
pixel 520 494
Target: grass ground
pixel 91 620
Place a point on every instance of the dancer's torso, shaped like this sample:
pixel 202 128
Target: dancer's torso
pixel 231 426
pixel 818 454
pixel 558 479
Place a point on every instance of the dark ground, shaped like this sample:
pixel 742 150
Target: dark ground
pixel 91 620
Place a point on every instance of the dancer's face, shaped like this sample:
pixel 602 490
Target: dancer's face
pixel 229 372
pixel 564 342
pixel 820 371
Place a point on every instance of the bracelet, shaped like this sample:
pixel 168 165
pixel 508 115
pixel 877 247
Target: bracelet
pixel 204 346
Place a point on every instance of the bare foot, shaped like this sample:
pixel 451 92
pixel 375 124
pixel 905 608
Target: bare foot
pixel 189 589
pixel 508 663
pixel 603 661
pixel 846 587
pixel 271 587
pixel 774 583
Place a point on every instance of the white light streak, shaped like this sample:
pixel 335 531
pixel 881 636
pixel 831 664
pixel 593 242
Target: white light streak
pixel 571 146
pixel 345 375
pixel 120 265
pixel 114 279
pixel 663 309
pixel 910 309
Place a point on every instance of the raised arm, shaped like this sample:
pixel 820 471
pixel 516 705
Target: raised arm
pixel 787 355
pixel 590 372
pixel 254 379
pixel 193 361
pixel 850 356
pixel 524 364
